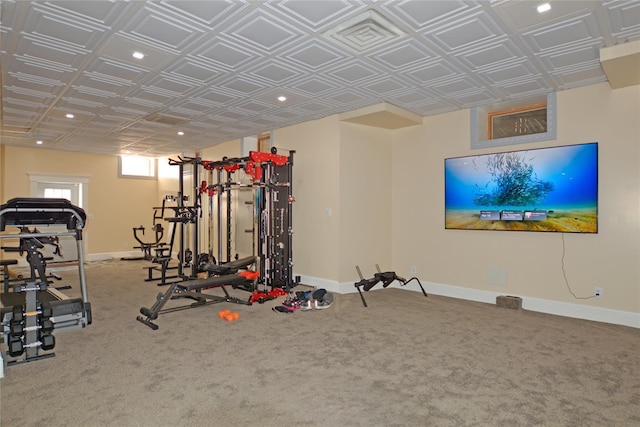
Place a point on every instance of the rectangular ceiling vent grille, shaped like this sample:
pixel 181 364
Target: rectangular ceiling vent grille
pixel 365 32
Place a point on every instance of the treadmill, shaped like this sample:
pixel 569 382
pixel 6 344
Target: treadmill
pixel 32 310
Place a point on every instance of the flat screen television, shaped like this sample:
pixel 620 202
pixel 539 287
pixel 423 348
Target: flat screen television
pixel 545 189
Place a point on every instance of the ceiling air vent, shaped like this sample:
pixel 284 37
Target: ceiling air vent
pixel 165 119
pixel 364 32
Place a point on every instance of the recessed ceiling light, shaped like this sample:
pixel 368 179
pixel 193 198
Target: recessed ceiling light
pixel 282 98
pixel 138 55
pixel 70 116
pixel 545 7
pixel 180 133
pixel 39 142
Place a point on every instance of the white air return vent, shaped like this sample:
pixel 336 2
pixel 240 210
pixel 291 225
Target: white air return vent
pixel 365 32
pixel 165 119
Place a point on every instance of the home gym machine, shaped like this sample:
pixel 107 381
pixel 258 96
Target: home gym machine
pixel 31 308
pixel 267 271
pixel 386 278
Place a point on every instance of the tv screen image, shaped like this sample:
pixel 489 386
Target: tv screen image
pixel 544 189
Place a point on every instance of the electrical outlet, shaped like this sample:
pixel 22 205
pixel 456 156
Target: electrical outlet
pixel 597 292
pixel 413 270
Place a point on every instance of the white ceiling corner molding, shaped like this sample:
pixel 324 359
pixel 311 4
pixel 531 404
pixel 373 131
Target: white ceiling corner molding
pixel 382 115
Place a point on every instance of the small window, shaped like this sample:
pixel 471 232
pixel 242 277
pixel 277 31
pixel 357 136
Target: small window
pixel 518 121
pixel 137 167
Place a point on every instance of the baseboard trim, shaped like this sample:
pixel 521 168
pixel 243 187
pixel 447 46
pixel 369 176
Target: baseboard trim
pixel 558 308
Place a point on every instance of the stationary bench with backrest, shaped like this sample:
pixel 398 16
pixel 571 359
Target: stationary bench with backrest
pixel 222 275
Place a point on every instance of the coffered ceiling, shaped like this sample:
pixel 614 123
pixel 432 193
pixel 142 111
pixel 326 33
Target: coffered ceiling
pixel 214 69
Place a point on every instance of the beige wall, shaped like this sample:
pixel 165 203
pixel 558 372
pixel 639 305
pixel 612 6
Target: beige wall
pixel 365 196
pixel 316 184
pixel 532 261
pixel 386 196
pixel 115 205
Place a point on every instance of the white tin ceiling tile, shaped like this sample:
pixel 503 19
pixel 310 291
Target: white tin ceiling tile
pixel 271 96
pixel 274 73
pixel 404 54
pixel 146 102
pixel 414 97
pixel 516 71
pixel 210 13
pixel 127 108
pixel 314 86
pixel 118 72
pixel 192 105
pixel 522 16
pixel 60 29
pixel 242 85
pixel 16 112
pixel 32 82
pixel 451 88
pixel 105 14
pixel 227 55
pixel 526 88
pixel 27 94
pixel 624 20
pixel 346 97
pixel 491 55
pixel 91 92
pixel 435 72
pixel 40 48
pixel 216 97
pixel 35 70
pixel 472 99
pixel 102 85
pixel 579 77
pixel 570 57
pixel 259 29
pixel 473 30
pixel 384 87
pixel 314 105
pixel 314 54
pixel 317 14
pixel 418 14
pixel 192 70
pixel 165 85
pixel 353 72
pixel 578 30
pixel 160 30
pixel 120 48
pixel 76 102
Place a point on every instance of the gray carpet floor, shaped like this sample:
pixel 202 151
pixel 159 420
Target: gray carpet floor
pixel 406 360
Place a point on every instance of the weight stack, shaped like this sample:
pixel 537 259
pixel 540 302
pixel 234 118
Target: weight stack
pixel 509 301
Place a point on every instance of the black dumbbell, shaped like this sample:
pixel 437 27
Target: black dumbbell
pixel 17 313
pixel 16 347
pixel 46 311
pixel 47 342
pixel 16 329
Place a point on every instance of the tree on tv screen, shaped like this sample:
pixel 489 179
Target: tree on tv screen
pixel 515 183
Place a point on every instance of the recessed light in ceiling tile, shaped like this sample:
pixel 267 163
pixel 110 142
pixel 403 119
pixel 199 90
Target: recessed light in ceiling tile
pixel 364 32
pixel 138 55
pixel 282 98
pixel 545 7
pixel 69 116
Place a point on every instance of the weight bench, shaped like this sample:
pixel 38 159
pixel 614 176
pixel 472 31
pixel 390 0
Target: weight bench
pixel 193 288
pixel 33 309
pixel 386 278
